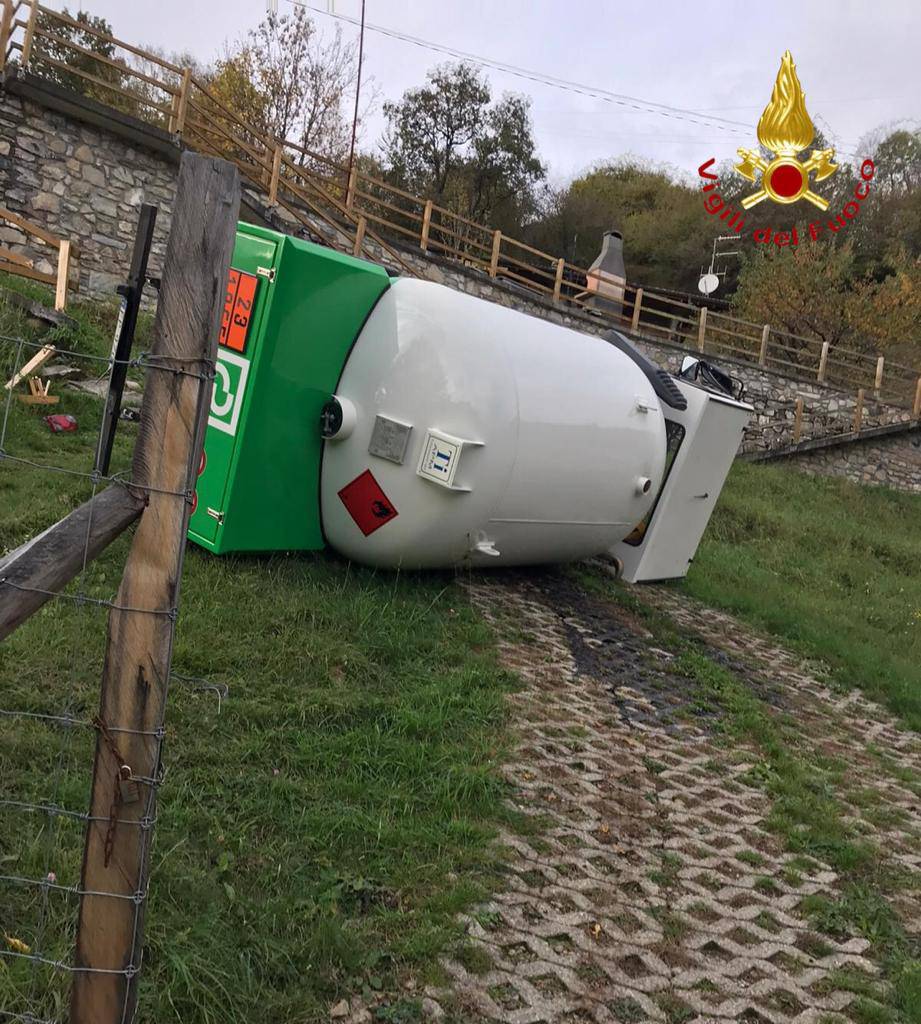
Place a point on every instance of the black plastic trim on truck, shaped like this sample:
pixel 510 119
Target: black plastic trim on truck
pixel 661 380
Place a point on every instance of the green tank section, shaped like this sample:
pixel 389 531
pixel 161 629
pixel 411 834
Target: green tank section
pixel 292 313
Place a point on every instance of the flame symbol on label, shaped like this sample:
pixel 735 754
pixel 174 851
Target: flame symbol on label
pixel 786 129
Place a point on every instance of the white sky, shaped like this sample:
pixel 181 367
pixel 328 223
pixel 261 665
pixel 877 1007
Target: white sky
pixel 857 61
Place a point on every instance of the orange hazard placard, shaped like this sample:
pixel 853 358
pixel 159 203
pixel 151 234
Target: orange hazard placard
pixel 238 309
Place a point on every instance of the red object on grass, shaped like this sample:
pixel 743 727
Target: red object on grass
pixel 61 421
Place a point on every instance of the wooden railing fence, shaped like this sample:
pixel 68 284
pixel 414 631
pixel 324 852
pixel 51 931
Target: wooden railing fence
pixel 361 213
pixel 24 266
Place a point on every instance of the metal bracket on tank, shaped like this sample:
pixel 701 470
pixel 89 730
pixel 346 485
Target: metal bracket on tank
pixel 440 456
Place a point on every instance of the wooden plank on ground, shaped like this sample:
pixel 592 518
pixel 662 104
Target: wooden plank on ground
pixel 41 356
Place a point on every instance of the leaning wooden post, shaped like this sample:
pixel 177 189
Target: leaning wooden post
pixel 30 35
pixel 494 261
pixel 350 190
pixel 426 225
pixel 360 229
pixel 878 381
pixel 37 570
pixel 916 408
pixel 858 410
pixel 765 335
pixel 637 310
pixel 139 641
pixel 558 280
pixel 60 291
pixel 797 420
pixel 823 362
pixel 702 329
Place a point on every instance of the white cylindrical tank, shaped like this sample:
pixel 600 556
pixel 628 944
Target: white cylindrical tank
pixel 469 433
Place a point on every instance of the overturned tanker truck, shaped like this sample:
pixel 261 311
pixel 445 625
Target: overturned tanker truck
pixel 405 424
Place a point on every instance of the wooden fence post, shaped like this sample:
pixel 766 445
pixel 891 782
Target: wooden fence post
pixel 494 262
pixel 702 329
pixel 823 362
pixel 183 100
pixel 139 641
pixel 798 420
pixel 558 280
pixel 273 181
pixel 6 30
pixel 60 291
pixel 858 410
pixel 765 335
pixel 426 224
pixel 360 229
pixel 916 408
pixel 637 309
pixel 878 382
pixel 30 34
pixel 350 189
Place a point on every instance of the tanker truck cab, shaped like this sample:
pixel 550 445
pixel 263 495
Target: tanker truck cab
pixel 406 424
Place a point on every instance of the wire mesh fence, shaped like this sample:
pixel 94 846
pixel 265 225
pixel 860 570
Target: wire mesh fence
pixel 81 761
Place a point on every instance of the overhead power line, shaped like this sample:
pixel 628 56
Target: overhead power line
pixel 630 102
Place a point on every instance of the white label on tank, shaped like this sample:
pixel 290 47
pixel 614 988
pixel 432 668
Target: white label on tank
pixel 230 373
pixel 440 456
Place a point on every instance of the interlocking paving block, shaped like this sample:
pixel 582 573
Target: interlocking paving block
pixel 654 891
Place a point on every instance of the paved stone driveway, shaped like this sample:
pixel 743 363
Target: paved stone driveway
pixel 652 890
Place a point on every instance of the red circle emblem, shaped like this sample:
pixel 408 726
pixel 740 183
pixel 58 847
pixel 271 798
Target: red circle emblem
pixel 786 180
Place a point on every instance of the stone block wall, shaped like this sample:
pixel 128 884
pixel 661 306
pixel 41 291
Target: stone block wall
pixel 893 461
pixel 81 183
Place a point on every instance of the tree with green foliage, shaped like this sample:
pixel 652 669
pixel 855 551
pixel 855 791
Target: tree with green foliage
pixel 289 82
pixel 667 233
pixel 447 142
pixel 819 292
pixel 70 67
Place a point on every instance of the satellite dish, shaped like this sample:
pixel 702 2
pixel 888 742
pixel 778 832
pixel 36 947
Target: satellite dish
pixel 708 283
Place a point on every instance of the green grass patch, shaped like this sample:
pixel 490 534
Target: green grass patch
pixel 829 566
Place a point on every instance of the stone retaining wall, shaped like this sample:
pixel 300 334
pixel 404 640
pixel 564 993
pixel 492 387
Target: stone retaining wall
pixel 893 461
pixel 81 183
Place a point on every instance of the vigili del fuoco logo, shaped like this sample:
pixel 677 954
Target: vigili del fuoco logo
pixel 784 131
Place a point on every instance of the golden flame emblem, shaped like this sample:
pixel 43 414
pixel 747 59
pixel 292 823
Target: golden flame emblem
pixel 786 129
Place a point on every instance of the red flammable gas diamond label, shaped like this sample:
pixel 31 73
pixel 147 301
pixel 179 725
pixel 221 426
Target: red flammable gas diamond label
pixel 366 503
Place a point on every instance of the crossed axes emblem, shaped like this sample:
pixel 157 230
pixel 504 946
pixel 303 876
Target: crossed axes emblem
pixel 785 179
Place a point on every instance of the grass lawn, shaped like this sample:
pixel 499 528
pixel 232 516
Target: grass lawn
pixel 832 568
pixel 320 829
